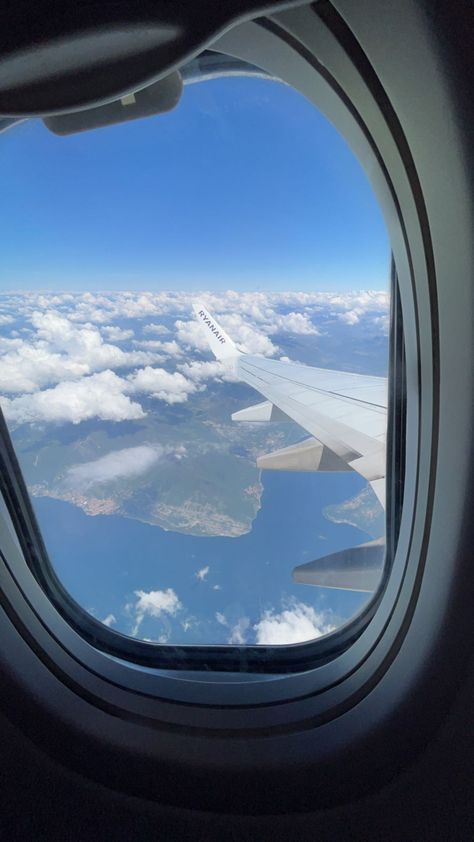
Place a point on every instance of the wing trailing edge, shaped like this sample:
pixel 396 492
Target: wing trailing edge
pixel 307 455
pixel 356 569
pixel 265 411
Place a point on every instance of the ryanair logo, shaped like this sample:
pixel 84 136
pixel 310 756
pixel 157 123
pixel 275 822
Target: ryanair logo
pixel 211 326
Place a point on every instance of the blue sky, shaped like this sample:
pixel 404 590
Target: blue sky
pixel 244 185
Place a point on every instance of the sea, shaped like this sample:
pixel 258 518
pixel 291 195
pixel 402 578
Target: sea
pixel 105 561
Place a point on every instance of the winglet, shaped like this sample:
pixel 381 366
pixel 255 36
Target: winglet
pixel 220 344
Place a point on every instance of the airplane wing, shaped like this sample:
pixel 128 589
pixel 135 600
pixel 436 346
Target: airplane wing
pixel 346 417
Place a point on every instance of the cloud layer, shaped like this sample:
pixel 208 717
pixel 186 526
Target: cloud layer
pixel 99 396
pixel 60 362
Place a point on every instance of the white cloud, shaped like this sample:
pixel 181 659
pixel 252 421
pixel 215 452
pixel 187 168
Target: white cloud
pixel 161 330
pixel 245 335
pixel 110 620
pixel 294 624
pixel 221 618
pixel 192 335
pixel 103 307
pixel 26 367
pixel 239 631
pixel 59 350
pixel 351 317
pixel 98 396
pixel 154 345
pixel 352 307
pixel 82 341
pixel 161 384
pixel 117 334
pixel 383 323
pixel 155 604
pixel 297 323
pixel 293 312
pixel 166 347
pixel 169 349
pixel 249 339
pixel 202 573
pixel 256 307
pixel 197 370
pixel 128 462
pixel 180 452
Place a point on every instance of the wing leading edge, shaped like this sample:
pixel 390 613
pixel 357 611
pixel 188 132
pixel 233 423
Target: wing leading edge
pixel 346 417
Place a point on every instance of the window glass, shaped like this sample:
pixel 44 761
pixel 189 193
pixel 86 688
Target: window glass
pixel 154 511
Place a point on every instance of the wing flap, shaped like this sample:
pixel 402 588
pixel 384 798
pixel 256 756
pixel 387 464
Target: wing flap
pixel 338 421
pixel 266 411
pixel 356 569
pixel 307 455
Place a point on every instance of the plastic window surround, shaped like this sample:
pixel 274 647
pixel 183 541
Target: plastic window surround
pixel 285 49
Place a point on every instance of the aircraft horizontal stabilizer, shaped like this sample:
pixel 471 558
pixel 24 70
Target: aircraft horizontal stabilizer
pixel 356 569
pixel 307 455
pixel 220 343
pixel 265 411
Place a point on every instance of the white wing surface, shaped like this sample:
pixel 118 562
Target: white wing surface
pixel 344 413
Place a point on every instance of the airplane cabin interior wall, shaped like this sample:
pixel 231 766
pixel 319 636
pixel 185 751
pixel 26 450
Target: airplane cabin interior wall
pixel 411 777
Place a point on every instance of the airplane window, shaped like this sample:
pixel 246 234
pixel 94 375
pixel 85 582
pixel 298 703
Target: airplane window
pixel 194 354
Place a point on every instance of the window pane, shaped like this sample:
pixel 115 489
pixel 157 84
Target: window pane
pixel 155 513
